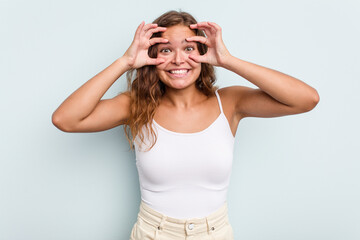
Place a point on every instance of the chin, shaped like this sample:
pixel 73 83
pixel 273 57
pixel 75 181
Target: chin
pixel 179 85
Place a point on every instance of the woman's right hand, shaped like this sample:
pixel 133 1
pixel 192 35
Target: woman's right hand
pixel 137 54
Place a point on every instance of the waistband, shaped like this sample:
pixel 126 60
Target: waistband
pixel 189 226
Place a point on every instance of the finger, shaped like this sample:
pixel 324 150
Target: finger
pixel 198 58
pixel 204 26
pixel 200 25
pixel 149 26
pixel 154 41
pixel 218 30
pixel 214 25
pixel 206 31
pixel 139 28
pixel 150 32
pixel 155 61
pixel 199 39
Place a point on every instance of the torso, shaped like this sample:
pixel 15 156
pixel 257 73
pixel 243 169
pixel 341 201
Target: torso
pixel 187 172
pixel 199 117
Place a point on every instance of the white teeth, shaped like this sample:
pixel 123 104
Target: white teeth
pixel 178 71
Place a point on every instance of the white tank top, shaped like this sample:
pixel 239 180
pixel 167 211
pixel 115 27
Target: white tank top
pixel 186 175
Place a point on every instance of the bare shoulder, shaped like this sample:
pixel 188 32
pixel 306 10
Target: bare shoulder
pixel 122 104
pixel 231 96
pixel 123 97
pixel 233 91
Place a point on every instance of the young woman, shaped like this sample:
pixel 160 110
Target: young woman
pixel 181 125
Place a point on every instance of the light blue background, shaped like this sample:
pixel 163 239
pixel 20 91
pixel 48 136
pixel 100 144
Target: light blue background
pixel 294 177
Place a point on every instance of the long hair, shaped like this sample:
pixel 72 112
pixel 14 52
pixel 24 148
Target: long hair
pixel 146 89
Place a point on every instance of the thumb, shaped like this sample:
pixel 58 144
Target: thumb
pixel 197 58
pixel 155 61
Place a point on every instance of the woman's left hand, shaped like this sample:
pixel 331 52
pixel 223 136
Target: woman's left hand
pixel 217 53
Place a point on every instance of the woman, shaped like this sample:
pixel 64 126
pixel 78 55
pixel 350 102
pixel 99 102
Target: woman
pixel 187 124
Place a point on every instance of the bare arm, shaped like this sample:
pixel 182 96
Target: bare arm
pixel 279 94
pixel 84 111
pixel 75 113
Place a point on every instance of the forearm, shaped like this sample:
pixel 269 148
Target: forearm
pixel 284 88
pixel 83 101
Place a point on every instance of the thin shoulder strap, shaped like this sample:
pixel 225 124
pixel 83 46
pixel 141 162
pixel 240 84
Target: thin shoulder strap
pixel 218 98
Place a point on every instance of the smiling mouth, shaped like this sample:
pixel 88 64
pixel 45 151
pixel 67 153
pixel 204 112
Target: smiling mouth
pixel 182 71
pixel 178 72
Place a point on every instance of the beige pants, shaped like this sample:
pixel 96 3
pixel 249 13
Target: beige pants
pixel 152 225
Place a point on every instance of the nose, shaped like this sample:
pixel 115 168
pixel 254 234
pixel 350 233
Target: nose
pixel 179 57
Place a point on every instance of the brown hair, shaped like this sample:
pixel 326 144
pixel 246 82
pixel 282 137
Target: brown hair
pixel 146 89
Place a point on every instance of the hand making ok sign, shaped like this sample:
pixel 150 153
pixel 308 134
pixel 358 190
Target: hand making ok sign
pixel 217 52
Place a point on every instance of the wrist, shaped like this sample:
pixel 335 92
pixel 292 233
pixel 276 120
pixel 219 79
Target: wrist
pixel 226 61
pixel 124 63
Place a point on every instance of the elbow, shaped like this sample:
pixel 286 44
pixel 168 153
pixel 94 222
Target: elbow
pixel 312 101
pixel 58 122
pixel 315 99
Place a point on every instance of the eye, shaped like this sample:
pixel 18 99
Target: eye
pixel 165 50
pixel 189 48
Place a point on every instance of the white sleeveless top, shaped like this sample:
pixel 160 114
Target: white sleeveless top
pixel 186 175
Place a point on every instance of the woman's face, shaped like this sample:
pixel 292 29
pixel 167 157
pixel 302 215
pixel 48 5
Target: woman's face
pixel 178 71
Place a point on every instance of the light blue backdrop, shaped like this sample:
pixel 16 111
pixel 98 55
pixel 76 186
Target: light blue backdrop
pixel 294 177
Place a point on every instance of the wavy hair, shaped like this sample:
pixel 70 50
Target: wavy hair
pixel 146 89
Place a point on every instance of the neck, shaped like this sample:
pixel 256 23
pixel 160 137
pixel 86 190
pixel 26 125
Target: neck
pixel 183 98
